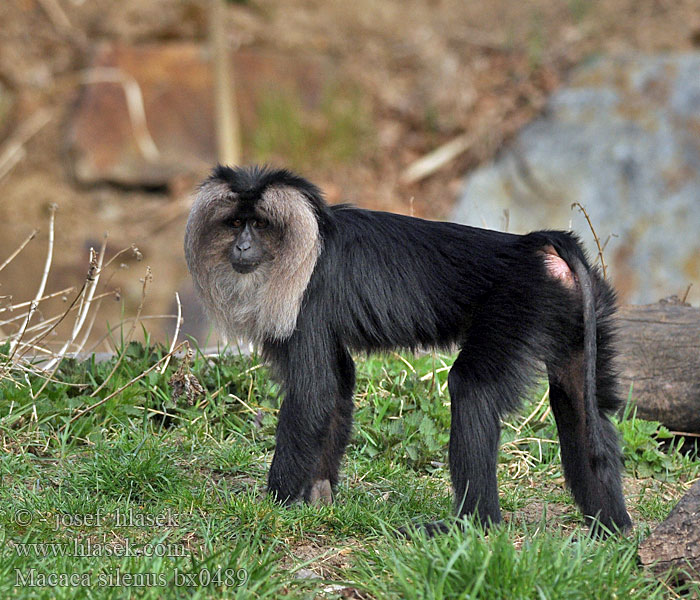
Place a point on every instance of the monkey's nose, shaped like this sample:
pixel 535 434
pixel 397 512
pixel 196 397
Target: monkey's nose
pixel 243 246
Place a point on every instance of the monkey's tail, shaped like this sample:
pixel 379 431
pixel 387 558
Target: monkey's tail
pixel 570 251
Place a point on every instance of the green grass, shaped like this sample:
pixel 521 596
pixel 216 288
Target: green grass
pixel 180 484
pixel 505 565
pixel 336 133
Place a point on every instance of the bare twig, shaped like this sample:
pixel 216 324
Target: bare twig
pixel 14 343
pixel 19 249
pixel 85 302
pixel 86 299
pixel 595 237
pixel 48 325
pixel 14 307
pixel 131 248
pixel 687 291
pixel 685 434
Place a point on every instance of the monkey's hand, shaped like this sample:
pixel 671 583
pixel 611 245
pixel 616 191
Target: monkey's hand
pixel 290 474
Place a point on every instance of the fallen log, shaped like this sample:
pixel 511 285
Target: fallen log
pixel 675 543
pixel 659 358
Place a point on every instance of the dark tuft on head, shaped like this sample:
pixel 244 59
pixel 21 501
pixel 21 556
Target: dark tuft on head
pixel 251 182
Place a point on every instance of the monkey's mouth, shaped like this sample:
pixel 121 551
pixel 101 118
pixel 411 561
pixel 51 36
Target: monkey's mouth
pixel 244 266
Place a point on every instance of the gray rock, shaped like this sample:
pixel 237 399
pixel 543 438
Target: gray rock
pixel 622 139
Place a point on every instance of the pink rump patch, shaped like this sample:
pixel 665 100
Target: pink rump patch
pixel 556 266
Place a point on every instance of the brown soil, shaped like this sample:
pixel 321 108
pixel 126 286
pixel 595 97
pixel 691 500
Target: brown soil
pixel 428 69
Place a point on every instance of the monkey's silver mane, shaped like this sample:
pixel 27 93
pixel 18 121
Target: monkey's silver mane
pixel 264 304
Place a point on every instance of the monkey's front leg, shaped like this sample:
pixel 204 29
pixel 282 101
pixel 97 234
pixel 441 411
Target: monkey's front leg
pixel 297 451
pixel 315 420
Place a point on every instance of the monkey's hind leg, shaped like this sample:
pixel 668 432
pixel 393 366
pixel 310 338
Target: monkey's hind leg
pixel 595 480
pixel 485 382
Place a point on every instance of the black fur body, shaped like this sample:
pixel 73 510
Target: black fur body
pixel 383 281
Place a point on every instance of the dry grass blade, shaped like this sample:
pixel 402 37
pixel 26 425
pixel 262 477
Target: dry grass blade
pixel 534 412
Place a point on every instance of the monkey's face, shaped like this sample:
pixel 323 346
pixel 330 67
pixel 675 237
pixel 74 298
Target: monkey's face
pixel 251 244
pixel 227 230
pixel 253 241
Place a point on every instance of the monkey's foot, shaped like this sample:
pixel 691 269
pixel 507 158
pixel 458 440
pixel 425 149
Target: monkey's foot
pixel 321 492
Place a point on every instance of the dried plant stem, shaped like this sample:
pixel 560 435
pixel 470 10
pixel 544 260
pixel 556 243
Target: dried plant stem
pixel 131 248
pixel 595 237
pixel 121 389
pixel 14 307
pixel 48 325
pixel 177 331
pixel 62 23
pixel 93 278
pixel 33 369
pixel 14 343
pixel 687 291
pixel 19 317
pixel 90 326
pixel 88 330
pixel 88 290
pixel 86 298
pixel 19 249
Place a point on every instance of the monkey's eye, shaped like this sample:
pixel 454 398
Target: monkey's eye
pixel 235 223
pixel 260 223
